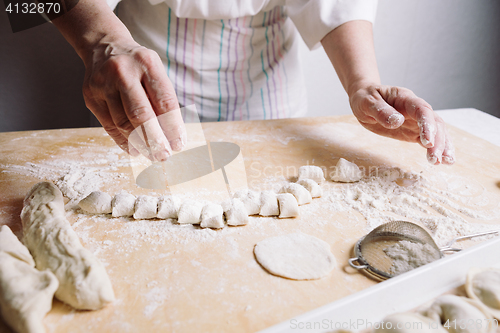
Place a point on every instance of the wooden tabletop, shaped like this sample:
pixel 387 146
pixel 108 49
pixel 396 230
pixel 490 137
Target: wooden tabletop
pixel 168 277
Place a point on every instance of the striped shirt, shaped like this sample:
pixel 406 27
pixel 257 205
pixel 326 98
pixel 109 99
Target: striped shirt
pixel 238 61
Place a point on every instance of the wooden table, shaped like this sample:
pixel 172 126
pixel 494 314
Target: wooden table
pixel 185 279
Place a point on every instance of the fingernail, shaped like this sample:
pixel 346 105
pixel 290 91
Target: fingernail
pixel 177 144
pixel 134 152
pixel 448 160
pixel 433 159
pixel 426 143
pixel 395 119
pixel 162 156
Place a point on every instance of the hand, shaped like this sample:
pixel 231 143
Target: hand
pixel 398 113
pixel 126 87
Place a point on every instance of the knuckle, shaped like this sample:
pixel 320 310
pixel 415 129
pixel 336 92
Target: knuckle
pixel 123 125
pixel 139 114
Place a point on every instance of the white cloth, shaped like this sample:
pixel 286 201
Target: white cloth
pixel 238 59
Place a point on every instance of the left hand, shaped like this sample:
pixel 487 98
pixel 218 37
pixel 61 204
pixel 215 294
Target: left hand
pixel 398 113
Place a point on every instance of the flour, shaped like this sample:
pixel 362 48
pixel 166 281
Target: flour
pixel 408 255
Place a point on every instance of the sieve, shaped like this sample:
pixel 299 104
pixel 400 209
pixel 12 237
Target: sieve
pixel 369 250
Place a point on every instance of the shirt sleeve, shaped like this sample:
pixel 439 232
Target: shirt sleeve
pixel 314 19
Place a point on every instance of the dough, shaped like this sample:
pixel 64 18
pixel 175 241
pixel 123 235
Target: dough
pixel 250 199
pixel 483 285
pixel 190 212
pixel 311 172
pixel 295 256
pixel 235 211
pixel 461 310
pixel 167 208
pixel 123 204
pixel 269 204
pixel 25 293
pixel 312 187
pixel 211 216
pixel 409 323
pixel 96 203
pixel 346 172
pixel 288 205
pixel 13 247
pixel 299 192
pixel 145 207
pixel 83 282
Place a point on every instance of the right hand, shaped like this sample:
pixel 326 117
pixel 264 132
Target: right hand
pixel 125 87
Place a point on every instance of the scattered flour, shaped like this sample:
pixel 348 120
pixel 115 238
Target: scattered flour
pixel 408 255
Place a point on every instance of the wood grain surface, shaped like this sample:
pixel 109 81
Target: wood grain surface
pixel 169 278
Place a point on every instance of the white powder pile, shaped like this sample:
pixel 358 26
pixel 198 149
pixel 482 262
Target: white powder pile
pixel 408 255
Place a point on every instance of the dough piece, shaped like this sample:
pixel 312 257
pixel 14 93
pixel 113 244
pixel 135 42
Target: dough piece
pixel 96 203
pixel 311 172
pixel 167 208
pixel 483 285
pixel 190 212
pixel 269 204
pixel 25 293
pixel 145 207
pixel 299 192
pixel 288 205
pixel 347 172
pixel 312 187
pixel 123 204
pixel 83 282
pixel 13 247
pixel 295 256
pixel 461 310
pixel 235 211
pixel 211 216
pixel 250 199
pixel 409 323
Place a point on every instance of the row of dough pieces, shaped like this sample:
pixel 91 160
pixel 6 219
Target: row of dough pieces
pixel 465 315
pixel 52 262
pixel 210 215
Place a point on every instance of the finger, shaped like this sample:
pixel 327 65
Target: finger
pixel 435 153
pixel 422 112
pixel 165 104
pixel 449 151
pixel 141 115
pixel 373 109
pixel 101 112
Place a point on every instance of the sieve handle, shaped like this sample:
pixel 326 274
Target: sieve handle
pixel 448 247
pixel 353 265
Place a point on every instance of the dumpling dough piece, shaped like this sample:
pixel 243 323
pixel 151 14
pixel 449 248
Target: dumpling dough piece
pixel 145 207
pixel 83 282
pixel 311 172
pixel 288 205
pixel 312 187
pixel 295 256
pixel 235 211
pixel 409 323
pixel 483 285
pixel 269 204
pixel 167 208
pixel 123 205
pixel 25 293
pixel 190 212
pixel 212 216
pixel 461 310
pixel 96 202
pixel 299 192
pixel 347 172
pixel 251 200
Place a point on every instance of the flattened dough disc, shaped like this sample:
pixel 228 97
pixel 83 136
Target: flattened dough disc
pixel 295 256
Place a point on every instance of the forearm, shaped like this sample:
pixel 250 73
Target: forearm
pixel 351 51
pixel 88 24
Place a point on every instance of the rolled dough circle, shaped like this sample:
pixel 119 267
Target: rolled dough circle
pixel 295 256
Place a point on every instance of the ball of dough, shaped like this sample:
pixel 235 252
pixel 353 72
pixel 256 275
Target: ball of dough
pixel 251 200
pixel 311 172
pixel 312 187
pixel 235 211
pixel 299 192
pixel 96 203
pixel 145 207
pixel 190 212
pixel 288 205
pixel 295 256
pixel 212 216
pixel 269 204
pixel 167 208
pixel 123 204
pixel 346 172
